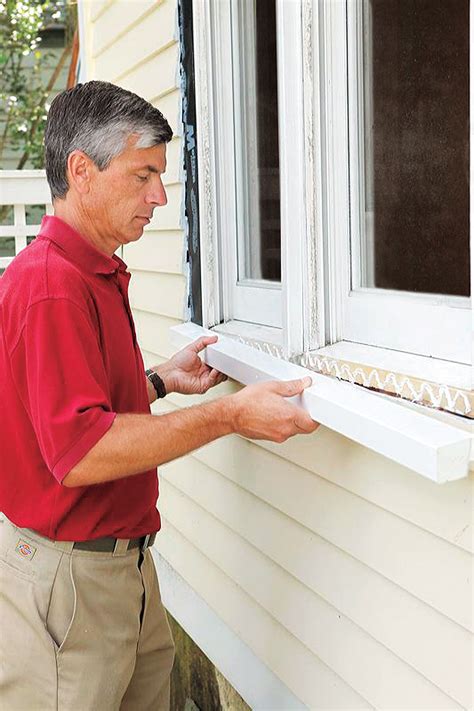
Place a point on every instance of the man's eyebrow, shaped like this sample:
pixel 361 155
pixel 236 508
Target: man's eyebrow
pixel 152 169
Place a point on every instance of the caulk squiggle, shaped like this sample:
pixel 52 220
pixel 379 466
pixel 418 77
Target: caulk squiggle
pixel 437 395
pixel 432 394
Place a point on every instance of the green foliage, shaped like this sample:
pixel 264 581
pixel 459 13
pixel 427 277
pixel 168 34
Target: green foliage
pixel 24 85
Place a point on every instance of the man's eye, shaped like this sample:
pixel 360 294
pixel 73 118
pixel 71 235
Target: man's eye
pixel 142 178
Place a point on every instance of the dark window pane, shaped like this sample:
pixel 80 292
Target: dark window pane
pixel 420 144
pixel 259 246
pixel 267 132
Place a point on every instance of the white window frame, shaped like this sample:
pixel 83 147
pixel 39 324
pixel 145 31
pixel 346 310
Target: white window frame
pixel 318 311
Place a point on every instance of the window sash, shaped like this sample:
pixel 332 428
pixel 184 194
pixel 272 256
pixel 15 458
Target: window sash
pixel 251 300
pixel 224 298
pixel 424 324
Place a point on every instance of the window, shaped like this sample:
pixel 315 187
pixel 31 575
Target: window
pixel 249 108
pixel 407 122
pixel 255 275
pixel 334 173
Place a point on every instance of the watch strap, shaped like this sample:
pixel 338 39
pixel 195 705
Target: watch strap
pixel 157 382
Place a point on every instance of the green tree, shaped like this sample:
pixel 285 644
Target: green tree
pixel 24 87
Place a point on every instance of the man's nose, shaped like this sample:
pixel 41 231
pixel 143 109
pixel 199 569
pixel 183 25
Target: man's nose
pixel 157 195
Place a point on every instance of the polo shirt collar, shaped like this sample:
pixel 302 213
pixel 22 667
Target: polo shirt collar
pixel 78 249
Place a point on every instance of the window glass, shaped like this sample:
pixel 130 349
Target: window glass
pixel 258 197
pixel 414 197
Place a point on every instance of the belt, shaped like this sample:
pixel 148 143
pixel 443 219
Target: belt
pixel 107 544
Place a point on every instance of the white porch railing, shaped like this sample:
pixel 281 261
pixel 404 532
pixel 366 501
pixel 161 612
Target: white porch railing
pixel 20 191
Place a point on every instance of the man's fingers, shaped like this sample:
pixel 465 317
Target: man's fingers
pixel 287 388
pixel 306 424
pixel 221 377
pixel 201 343
pixel 216 376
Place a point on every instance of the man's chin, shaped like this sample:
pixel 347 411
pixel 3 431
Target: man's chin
pixel 135 233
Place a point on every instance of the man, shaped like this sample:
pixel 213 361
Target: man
pixel 82 624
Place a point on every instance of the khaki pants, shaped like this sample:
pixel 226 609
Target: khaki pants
pixel 80 630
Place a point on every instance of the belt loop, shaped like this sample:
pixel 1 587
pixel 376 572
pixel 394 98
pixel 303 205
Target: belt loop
pixel 121 546
pixel 144 545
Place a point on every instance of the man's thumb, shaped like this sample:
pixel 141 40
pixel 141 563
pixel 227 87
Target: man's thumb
pixel 294 387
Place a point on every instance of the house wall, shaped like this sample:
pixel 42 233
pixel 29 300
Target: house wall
pixel 348 576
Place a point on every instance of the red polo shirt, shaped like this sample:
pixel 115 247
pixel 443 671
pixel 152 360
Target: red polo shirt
pixel 69 362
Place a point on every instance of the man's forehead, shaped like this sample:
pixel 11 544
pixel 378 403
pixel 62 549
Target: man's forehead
pixel 152 159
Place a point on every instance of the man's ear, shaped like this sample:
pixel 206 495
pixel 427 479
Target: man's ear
pixel 80 170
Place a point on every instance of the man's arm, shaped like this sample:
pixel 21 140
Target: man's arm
pixel 136 443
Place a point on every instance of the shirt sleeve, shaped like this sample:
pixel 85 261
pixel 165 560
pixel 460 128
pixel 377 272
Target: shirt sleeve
pixel 61 376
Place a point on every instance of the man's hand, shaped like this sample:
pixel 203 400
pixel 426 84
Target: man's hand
pixel 264 410
pixel 186 373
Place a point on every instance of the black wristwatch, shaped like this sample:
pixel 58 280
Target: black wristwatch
pixel 157 382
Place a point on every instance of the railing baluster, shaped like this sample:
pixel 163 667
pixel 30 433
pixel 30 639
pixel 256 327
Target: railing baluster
pixel 20 224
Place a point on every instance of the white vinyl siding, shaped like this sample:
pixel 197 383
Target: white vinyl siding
pixel 345 573
pixel 381 596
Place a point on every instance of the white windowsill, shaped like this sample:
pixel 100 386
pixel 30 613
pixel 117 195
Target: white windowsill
pixel 456 375
pixel 436 450
pixel 417 366
pixel 251 331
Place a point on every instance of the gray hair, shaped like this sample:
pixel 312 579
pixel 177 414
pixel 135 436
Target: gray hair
pixel 97 118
